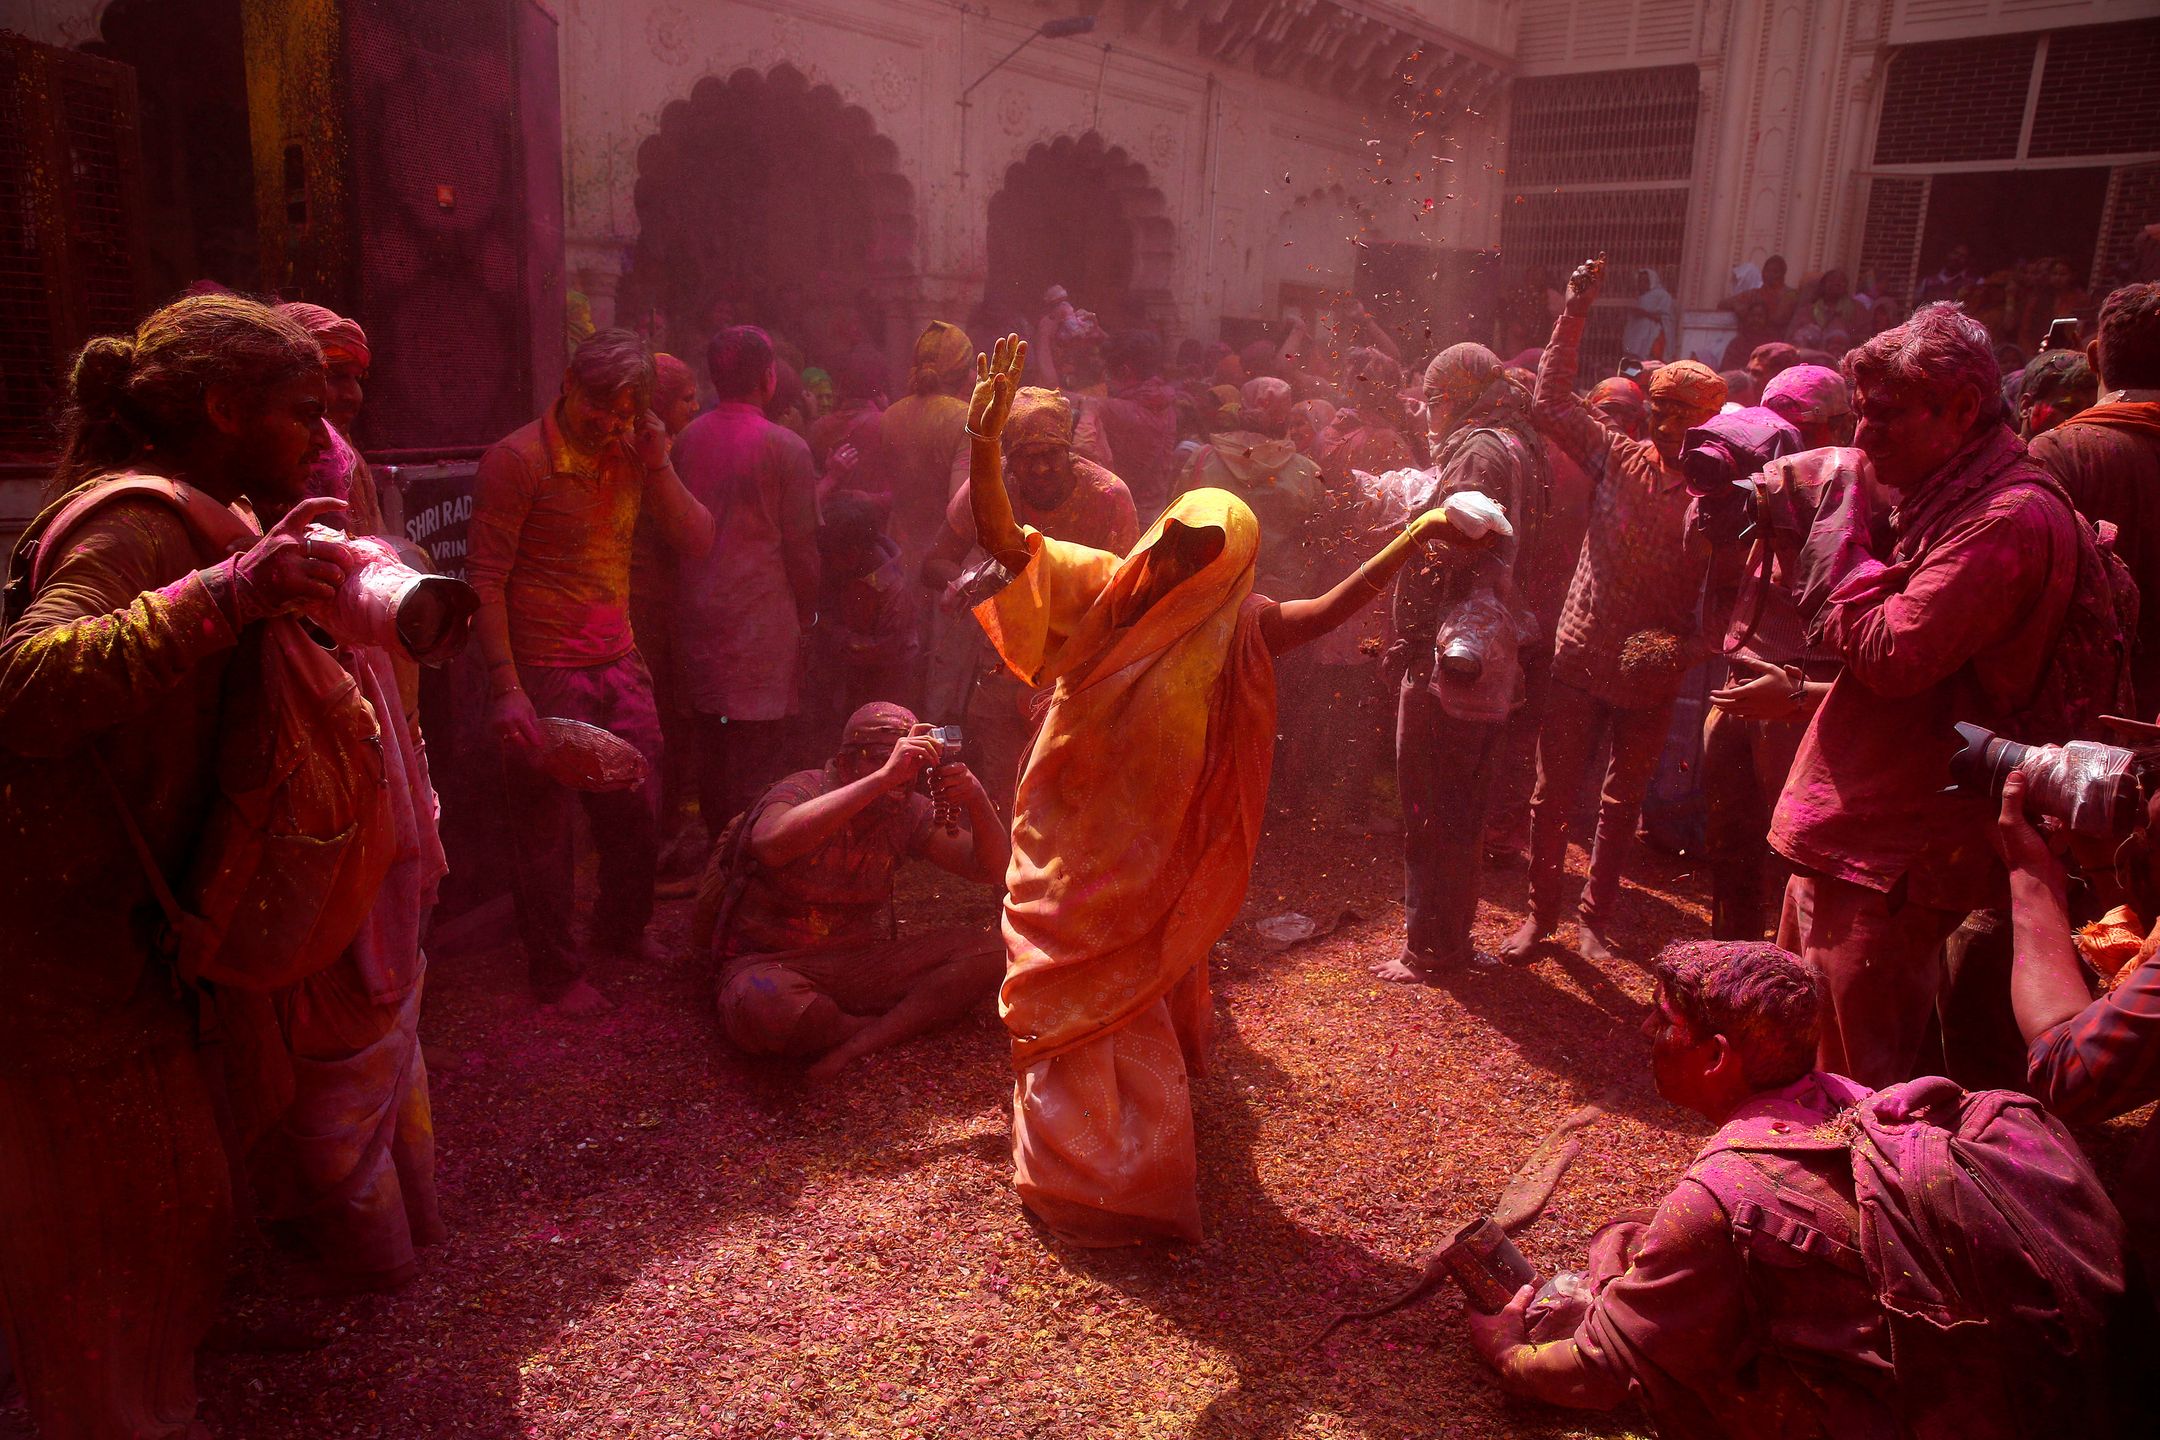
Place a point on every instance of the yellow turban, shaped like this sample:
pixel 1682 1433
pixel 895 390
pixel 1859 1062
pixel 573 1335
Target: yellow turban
pixel 940 350
pixel 1039 417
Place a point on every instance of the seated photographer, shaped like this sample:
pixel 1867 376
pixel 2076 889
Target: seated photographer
pixel 1746 1306
pixel 1985 605
pixel 796 896
pixel 2089 1058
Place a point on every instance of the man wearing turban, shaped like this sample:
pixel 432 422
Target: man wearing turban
pixel 1066 496
pixel 1626 631
pixel 340 472
pixel 1140 803
pixel 919 438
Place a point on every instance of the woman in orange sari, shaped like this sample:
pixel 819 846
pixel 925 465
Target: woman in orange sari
pixel 1140 804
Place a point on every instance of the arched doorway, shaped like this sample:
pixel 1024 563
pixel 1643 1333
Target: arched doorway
pixel 1078 213
pixel 763 199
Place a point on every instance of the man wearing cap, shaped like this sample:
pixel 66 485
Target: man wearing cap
pixel 1066 496
pixel 1451 720
pixel 1776 677
pixel 1627 630
pixel 1816 401
pixel 796 904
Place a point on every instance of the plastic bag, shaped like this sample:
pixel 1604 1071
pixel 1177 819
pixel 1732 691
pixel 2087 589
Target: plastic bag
pixel 585 757
pixel 1475 672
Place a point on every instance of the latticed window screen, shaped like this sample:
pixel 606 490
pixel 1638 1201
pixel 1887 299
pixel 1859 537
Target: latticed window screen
pixel 1890 244
pixel 1603 162
pixel 1631 227
pixel 1604 128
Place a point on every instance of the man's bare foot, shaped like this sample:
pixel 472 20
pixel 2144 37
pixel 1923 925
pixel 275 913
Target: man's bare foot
pixel 644 948
pixel 1522 946
pixel 579 1000
pixel 1591 945
pixel 1406 969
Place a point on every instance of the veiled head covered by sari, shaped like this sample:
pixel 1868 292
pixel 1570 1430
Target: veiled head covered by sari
pixel 1141 801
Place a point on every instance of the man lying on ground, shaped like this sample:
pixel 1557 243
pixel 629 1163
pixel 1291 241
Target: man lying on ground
pixel 797 895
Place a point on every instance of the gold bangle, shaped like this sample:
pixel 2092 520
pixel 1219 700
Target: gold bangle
pixel 1365 576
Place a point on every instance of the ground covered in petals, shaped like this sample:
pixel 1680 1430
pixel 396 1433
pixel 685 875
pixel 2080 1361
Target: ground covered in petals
pixel 654 1237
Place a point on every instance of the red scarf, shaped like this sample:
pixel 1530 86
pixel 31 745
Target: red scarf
pixel 2138 416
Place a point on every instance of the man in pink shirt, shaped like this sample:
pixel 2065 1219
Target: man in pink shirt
pixel 1956 620
pixel 749 599
pixel 555 505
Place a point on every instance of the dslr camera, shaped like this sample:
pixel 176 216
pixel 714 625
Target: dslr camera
pixel 384 601
pixel 1723 459
pixel 2097 791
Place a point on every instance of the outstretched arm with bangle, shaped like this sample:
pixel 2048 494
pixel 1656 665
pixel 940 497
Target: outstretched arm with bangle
pixel 1298 622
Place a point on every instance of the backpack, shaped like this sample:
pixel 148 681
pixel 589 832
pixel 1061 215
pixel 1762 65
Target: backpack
pixel 299 834
pixel 1979 1228
pixel 2088 669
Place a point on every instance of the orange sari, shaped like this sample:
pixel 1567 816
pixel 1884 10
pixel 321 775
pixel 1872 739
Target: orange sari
pixel 1140 804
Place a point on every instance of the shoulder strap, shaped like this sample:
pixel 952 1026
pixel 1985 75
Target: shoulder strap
pixel 214 526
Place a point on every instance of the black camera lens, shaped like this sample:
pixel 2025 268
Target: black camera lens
pixel 1984 760
pixel 1462 661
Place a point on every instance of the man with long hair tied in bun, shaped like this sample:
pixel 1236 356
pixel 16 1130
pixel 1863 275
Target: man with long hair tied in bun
pixel 115 1198
pixel 1139 806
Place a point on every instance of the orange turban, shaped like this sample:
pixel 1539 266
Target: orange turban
pixel 342 340
pixel 1689 386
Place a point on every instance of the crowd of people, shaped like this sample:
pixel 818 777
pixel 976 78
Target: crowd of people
pixel 1064 619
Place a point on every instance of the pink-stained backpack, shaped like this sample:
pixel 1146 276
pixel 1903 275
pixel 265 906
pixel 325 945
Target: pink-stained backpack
pixel 1980 1228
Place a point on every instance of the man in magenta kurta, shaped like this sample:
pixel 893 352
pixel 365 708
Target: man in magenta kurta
pixel 1956 620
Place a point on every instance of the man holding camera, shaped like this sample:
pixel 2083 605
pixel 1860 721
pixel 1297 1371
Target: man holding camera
pixel 1954 611
pixel 1620 647
pixel 555 505
pixel 1755 499
pixel 796 897
pixel 1451 714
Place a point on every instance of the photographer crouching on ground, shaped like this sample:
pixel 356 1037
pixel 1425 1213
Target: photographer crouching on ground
pixel 1979 597
pixel 798 895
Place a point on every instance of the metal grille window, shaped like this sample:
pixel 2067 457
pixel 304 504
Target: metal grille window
pixel 1957 100
pixel 1890 245
pixel 2100 92
pixel 1633 227
pixel 2088 91
pixel 1621 125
